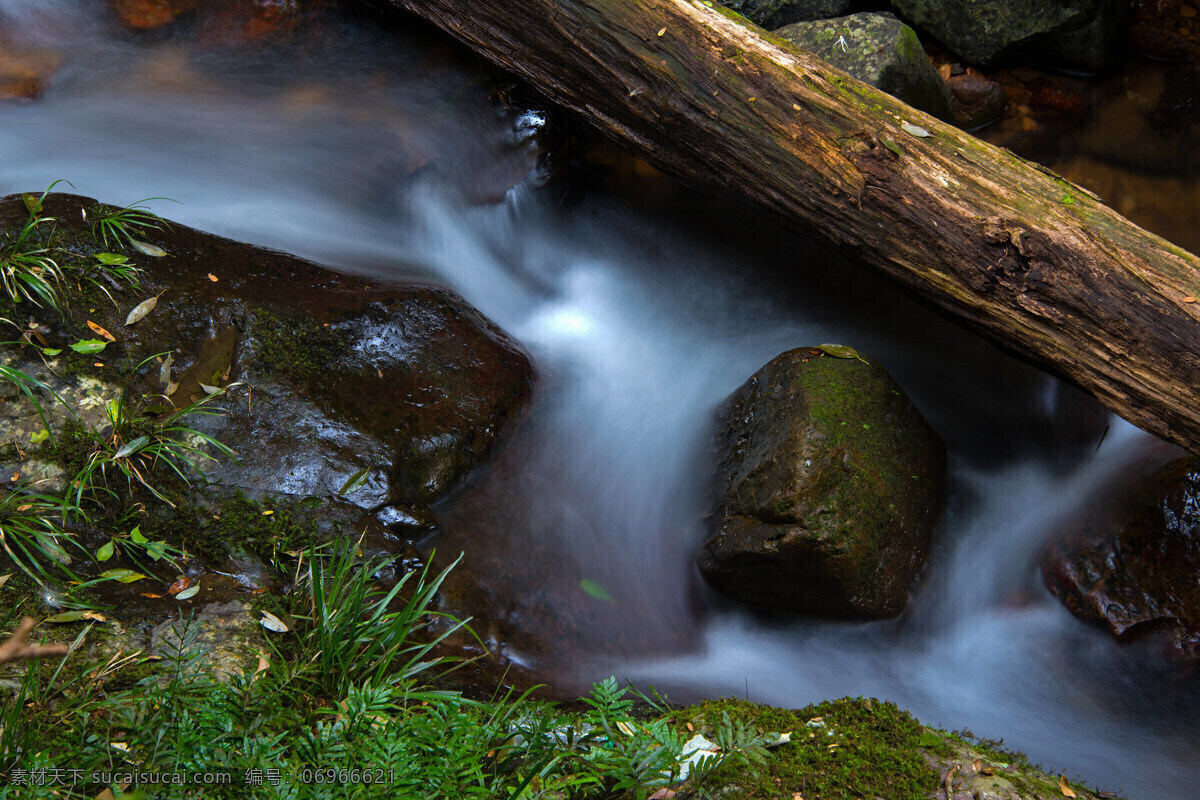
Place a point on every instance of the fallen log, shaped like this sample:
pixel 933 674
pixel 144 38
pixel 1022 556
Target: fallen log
pixel 1037 264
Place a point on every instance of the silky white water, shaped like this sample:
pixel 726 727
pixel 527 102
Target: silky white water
pixel 382 154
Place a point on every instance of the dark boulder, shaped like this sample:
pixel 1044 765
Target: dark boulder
pixel 1133 568
pixel 374 396
pixel 831 484
pixel 1077 33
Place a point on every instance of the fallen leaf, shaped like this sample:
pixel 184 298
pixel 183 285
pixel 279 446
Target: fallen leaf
pixel 148 249
pixel 106 795
pixel 273 623
pixel 784 738
pixel 1064 787
pixel 662 31
pixel 99 331
pixel 106 551
pixel 4 579
pixel 690 727
pixel 795 107
pixel 354 482
pixel 915 130
pixel 263 664
pixel 213 278
pixel 1189 299
pixel 122 575
pixel 124 748
pixel 840 351
pixel 89 346
pixel 32 204
pixel 662 794
pixel 190 592
pixel 209 389
pixel 141 310
pixel 978 765
pixel 40 436
pixel 164 372
pixel 595 590
pixel 76 616
pixel 267 513
pixel 97 363
pixel 109 259
pixel 16 476
pixel 181 583
pixel 945 70
pixel 151 595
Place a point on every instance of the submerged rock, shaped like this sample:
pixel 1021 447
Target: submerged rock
pixel 832 482
pixel 1133 568
pixel 976 100
pixel 877 49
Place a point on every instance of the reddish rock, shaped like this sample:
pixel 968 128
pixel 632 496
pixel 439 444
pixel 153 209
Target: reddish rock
pixel 976 100
pixel 24 75
pixel 144 15
pixel 1133 568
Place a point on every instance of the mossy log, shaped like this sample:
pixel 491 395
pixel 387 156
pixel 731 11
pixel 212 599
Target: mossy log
pixel 1037 264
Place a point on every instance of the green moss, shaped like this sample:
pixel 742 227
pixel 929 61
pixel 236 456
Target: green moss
pixel 838 749
pixel 295 344
pixel 238 524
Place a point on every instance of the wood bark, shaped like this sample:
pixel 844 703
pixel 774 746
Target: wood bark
pixel 1035 263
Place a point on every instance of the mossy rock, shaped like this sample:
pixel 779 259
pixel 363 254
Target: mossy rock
pixel 832 482
pixel 877 49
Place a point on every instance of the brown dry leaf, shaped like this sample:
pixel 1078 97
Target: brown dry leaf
pixel 662 31
pixel 263 664
pixel 4 579
pixel 151 595
pixel 978 765
pixel 24 507
pixel 100 331
pixel 662 794
pixel 16 476
pixel 105 795
pixel 213 278
pixel 181 583
pixel 797 796
pixel 1189 299
pixel 691 727
pixel 987 771
pixel 1064 787
pixel 98 364
pixel 945 70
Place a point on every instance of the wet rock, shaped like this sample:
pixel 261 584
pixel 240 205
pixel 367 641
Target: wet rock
pixel 877 49
pixel 773 14
pixel 383 396
pixel 1161 43
pixel 1132 568
pixel 832 482
pixel 224 638
pixel 987 31
pixel 976 100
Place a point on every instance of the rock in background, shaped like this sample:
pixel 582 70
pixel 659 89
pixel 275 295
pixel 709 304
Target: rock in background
pixel 831 483
pixel 877 49
pixel 773 14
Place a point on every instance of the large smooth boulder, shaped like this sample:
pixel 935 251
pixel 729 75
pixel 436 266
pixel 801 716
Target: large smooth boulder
pixel 1078 32
pixel 831 484
pixel 773 14
pixel 877 49
pixel 1134 568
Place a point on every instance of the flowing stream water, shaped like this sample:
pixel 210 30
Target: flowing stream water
pixel 383 153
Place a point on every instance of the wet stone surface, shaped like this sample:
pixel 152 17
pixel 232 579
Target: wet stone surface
pixel 1132 568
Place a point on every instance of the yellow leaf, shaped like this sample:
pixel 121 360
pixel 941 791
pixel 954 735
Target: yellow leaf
pixel 1063 787
pixel 100 331
pixel 212 277
pixel 662 31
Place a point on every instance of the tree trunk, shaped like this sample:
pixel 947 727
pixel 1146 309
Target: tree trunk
pixel 1035 263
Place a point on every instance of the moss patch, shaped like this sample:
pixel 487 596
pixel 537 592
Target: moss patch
pixel 838 749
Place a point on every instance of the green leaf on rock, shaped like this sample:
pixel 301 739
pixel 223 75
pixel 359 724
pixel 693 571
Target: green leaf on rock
pixel 595 590
pixel 40 436
pixel 109 259
pixel 915 130
pixel 51 351
pixel 354 482
pixel 123 575
pixel 89 346
pixel 148 249
pixel 840 351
